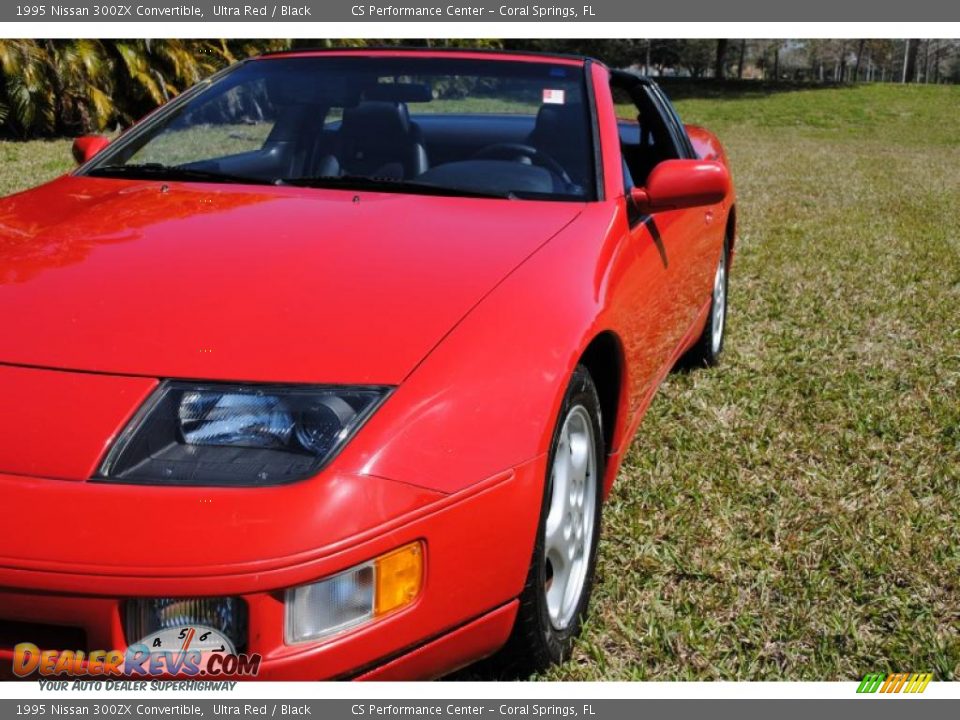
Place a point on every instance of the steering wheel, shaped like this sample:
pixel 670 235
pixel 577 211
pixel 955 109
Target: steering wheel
pixel 519 152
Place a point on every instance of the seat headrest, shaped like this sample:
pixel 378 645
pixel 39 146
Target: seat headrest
pixel 377 118
pixel 552 120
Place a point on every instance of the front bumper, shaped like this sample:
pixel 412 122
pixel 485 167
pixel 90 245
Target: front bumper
pixel 67 563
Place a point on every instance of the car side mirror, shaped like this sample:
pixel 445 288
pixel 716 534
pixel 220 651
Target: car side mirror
pixel 85 147
pixel 677 184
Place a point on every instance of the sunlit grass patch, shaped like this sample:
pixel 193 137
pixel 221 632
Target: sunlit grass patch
pixel 793 514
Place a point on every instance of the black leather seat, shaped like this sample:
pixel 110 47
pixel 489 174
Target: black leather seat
pixel 561 132
pixel 377 139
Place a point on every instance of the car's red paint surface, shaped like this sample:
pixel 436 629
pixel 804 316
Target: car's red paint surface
pixel 680 184
pixel 222 258
pixel 706 144
pixel 84 148
pixel 477 310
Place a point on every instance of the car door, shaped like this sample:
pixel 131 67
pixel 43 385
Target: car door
pixel 703 230
pixel 666 243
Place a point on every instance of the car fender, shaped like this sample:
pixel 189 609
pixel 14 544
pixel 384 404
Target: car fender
pixel 486 398
pixel 708 146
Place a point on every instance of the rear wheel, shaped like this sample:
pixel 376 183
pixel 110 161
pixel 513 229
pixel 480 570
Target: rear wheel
pixel 560 579
pixel 707 350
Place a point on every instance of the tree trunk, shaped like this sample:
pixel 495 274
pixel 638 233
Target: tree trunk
pixel 720 65
pixel 743 53
pixel 910 61
pixel 776 62
pixel 59 96
pixel 856 68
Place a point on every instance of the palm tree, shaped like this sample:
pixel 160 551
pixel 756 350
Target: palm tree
pixel 81 76
pixel 69 86
pixel 26 100
pixel 154 71
pixel 55 86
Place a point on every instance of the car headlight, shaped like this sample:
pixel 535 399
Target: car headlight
pixel 247 435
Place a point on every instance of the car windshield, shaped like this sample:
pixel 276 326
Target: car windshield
pixel 431 125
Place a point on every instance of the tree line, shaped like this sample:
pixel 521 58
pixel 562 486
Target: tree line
pixel 811 60
pixel 69 87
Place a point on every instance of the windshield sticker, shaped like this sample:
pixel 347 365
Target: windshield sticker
pixel 553 97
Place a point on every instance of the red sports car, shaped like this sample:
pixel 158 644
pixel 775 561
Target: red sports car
pixel 335 357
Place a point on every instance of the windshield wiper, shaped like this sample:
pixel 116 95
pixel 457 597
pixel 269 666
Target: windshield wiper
pixel 159 171
pixel 364 182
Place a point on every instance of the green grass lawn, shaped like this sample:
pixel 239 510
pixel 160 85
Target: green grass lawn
pixel 793 514
pixel 24 164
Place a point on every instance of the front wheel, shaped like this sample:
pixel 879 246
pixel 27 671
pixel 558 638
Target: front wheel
pixel 560 579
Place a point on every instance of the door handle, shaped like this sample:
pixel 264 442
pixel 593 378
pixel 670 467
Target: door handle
pixel 708 216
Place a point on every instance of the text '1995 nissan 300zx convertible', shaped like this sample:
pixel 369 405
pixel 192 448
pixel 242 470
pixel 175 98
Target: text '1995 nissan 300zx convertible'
pixel 326 367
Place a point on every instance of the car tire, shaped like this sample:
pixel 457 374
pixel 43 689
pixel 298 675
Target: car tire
pixel 558 586
pixel 709 346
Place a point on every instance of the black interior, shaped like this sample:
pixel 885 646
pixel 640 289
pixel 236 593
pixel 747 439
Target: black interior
pixel 384 140
pixel 376 138
pixel 643 146
pixel 499 126
pixel 646 141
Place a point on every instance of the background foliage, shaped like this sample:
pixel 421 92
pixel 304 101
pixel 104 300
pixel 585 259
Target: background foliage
pixel 70 87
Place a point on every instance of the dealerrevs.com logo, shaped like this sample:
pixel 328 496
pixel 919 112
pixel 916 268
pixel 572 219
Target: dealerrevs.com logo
pixel 192 652
pixel 909 683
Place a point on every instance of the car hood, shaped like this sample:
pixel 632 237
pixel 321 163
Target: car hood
pixel 246 282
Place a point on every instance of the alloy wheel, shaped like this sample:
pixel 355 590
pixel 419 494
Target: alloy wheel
pixel 568 531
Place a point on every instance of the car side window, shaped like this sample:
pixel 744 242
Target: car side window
pixel 675 125
pixel 647 142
